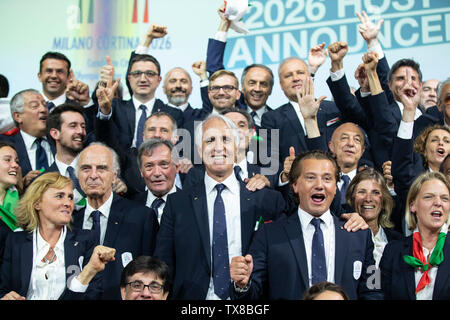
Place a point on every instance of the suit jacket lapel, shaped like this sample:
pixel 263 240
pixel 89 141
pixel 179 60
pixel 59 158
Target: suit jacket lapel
pixel 295 235
pixel 22 149
pixel 27 261
pixel 441 281
pixel 293 120
pixel 115 218
pixel 70 252
pixel 341 247
pixel 252 169
pixel 199 203
pixel 131 117
pixel 408 271
pixel 248 218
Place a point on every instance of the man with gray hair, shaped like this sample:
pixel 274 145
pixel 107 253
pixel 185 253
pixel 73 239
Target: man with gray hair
pixel 158 169
pixel 30 113
pixel 220 214
pixel 118 223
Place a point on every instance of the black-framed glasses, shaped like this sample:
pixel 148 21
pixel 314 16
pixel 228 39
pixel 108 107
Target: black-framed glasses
pixel 153 287
pixel 148 74
pixel 226 89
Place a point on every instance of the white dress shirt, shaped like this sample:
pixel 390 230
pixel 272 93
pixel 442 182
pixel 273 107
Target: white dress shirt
pixel 259 113
pixel 47 281
pixel 62 168
pixel 149 105
pixel 104 210
pixel 31 146
pixel 299 115
pixel 151 197
pixel 350 174
pixel 232 203
pixel 379 242
pixel 244 170
pixel 329 239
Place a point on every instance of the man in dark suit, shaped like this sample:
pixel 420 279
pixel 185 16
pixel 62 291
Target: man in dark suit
pixel 30 113
pixel 288 118
pixel 118 223
pixel 204 226
pixel 310 245
pixel 158 170
pixel 128 117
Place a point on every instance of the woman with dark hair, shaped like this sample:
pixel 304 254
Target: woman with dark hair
pixel 368 195
pixel 40 263
pixel 418 267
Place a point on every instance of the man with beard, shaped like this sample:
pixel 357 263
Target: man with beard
pixel 66 126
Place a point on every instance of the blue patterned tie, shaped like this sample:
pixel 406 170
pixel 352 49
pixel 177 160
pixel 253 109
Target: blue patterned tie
pixel 50 105
pixel 41 156
pixel 141 123
pixel 237 173
pixel 156 204
pixel 346 180
pixel 95 215
pixel 221 268
pixel 318 261
pixel 76 183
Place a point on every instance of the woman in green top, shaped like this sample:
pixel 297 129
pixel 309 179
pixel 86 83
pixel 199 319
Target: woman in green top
pixel 9 176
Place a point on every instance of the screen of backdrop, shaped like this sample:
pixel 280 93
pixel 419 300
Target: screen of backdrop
pixel 88 30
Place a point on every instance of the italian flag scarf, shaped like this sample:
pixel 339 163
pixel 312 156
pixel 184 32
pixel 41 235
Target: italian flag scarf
pixel 418 259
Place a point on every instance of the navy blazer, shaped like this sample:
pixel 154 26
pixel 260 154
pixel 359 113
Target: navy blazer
pixel 183 240
pixel 280 268
pixel 131 229
pixel 124 119
pixel 398 279
pixel 18 262
pixel 291 132
pixel 19 145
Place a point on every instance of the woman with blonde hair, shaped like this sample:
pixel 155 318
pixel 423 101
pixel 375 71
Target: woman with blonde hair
pixel 43 261
pixel 418 267
pixel 368 195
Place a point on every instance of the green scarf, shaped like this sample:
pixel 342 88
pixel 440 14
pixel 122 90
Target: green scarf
pixel 7 209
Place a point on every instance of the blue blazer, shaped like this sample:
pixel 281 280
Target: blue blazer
pixel 183 240
pixel 397 277
pixel 280 268
pixel 131 228
pixel 18 262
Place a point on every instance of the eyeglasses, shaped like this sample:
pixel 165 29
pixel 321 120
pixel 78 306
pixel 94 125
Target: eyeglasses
pixel 148 74
pixel 139 286
pixel 226 89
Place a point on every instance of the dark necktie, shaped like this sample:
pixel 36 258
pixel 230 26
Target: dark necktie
pixel 140 127
pixel 221 269
pixel 253 114
pixel 76 183
pixel 156 204
pixel 41 156
pixel 346 180
pixel 95 215
pixel 237 172
pixel 318 261
pixel 50 105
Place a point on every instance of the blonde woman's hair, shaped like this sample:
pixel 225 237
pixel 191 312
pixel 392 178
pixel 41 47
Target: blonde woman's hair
pixel 411 217
pixel 26 214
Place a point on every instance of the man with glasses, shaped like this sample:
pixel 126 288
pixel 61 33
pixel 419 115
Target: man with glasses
pixel 145 278
pixel 129 116
pixel 223 90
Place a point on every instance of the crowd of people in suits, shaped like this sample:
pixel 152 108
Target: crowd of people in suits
pixel 106 198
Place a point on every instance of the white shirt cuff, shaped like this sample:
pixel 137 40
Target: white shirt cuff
pixel 204 83
pixel 221 36
pixel 76 286
pixel 142 50
pixel 280 183
pixel 102 116
pixel 405 130
pixel 338 75
pixel 376 47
